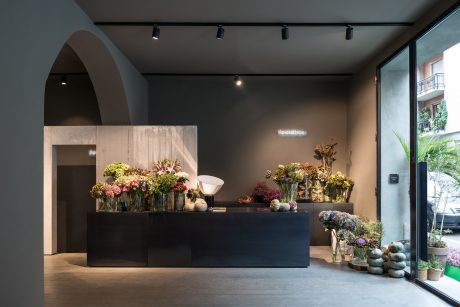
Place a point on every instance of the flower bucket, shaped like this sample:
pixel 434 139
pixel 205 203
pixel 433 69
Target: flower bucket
pixel 452 272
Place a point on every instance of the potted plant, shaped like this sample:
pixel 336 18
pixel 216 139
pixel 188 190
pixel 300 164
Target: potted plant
pixel 453 264
pixel 435 268
pixel 422 269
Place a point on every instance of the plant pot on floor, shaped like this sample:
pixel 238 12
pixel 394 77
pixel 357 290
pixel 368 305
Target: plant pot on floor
pixel 434 274
pixel 440 252
pixel 422 274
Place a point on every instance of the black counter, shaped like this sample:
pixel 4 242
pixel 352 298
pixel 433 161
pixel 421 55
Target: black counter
pixel 240 237
pixel 318 237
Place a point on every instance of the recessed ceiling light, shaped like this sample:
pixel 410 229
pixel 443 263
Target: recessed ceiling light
pixel 238 81
pixel 63 80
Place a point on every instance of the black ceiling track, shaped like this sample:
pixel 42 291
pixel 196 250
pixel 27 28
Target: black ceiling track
pixel 251 24
pixel 247 75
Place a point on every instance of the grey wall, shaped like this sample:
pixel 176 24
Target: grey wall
pixel 72 105
pixel 237 127
pixel 362 119
pixel 35 31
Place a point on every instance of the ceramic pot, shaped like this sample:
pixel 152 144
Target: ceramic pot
pixel 179 201
pixel 434 274
pixel 422 274
pixel 440 252
pixel 201 205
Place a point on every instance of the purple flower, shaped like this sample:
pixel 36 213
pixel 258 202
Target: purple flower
pixel 361 241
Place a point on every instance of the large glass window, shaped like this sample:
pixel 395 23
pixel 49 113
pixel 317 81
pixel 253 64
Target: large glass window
pixel 394 132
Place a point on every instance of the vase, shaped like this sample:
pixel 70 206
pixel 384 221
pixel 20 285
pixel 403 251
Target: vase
pixel 288 192
pixel 453 272
pixel 434 274
pixel 136 203
pixel 338 196
pixel 104 205
pixel 317 192
pixel 170 202
pixel 336 250
pixel 359 256
pixel 114 204
pixel 179 201
pixel 160 202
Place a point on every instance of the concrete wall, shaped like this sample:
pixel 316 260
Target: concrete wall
pixel 72 105
pixel 32 33
pixel 362 118
pixel 237 127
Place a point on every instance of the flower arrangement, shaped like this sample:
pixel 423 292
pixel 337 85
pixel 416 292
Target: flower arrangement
pixel 325 153
pixel 112 191
pixel 338 185
pixel 180 187
pixel 258 193
pixel 193 194
pixel 136 171
pixel 164 183
pixel 98 190
pixel 166 166
pixel 271 194
pixel 290 173
pixel 107 194
pixel 115 170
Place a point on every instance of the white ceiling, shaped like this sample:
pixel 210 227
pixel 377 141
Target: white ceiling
pixel 252 50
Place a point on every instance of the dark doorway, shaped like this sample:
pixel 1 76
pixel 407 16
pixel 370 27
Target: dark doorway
pixel 76 174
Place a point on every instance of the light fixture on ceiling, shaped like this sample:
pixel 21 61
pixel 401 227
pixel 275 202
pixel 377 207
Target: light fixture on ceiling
pixel 92 153
pixel 237 80
pixel 63 80
pixel 156 32
pixel 349 33
pixel 285 33
pixel 220 32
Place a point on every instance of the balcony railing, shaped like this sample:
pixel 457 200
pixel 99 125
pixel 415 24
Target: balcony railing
pixel 434 82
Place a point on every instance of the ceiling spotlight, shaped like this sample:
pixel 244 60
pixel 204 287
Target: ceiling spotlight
pixel 63 80
pixel 285 33
pixel 220 32
pixel 237 80
pixel 156 32
pixel 349 33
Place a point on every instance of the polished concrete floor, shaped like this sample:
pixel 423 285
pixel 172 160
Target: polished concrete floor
pixel 68 282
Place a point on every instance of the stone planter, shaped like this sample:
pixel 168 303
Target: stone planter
pixel 440 252
pixel 422 274
pixel 434 274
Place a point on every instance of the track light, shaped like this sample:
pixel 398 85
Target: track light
pixel 349 33
pixel 237 80
pixel 285 33
pixel 63 80
pixel 220 32
pixel 156 32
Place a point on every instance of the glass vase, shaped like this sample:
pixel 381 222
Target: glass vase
pixel 114 204
pixel 160 202
pixel 288 192
pixel 136 203
pixel 170 202
pixel 179 201
pixel 317 192
pixel 359 256
pixel 337 256
pixel 104 205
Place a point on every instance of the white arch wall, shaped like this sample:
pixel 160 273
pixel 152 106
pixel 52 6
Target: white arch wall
pixel 32 34
pixel 138 146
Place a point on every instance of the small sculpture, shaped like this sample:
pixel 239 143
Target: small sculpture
pixel 275 205
pixel 201 205
pixel 375 261
pixel 284 207
pixel 396 260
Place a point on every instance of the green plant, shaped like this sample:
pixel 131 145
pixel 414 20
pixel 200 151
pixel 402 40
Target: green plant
pixel 164 183
pixel 115 170
pixel 435 263
pixel 424 117
pixel 423 265
pixel 440 118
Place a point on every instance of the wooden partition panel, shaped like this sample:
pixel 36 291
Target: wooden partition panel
pixel 138 146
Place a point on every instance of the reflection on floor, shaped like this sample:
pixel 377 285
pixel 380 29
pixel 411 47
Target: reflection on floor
pixel 68 282
pixel 448 286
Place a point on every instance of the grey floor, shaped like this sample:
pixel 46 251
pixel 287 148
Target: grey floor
pixel 68 282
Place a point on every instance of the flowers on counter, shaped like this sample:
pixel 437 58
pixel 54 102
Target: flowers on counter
pixel 166 166
pixel 107 194
pixel 290 173
pixel 115 170
pixel 164 183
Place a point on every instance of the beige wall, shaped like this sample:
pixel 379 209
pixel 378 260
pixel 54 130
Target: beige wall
pixel 362 119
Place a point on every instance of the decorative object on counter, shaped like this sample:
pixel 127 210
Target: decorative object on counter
pixel 201 205
pixel 162 188
pixel 107 195
pixel 179 190
pixel 115 170
pixel 340 224
pixel 245 199
pixel 259 191
pixel 435 268
pixel 166 166
pixel 284 207
pixel 396 262
pixel 325 153
pixel 422 268
pixel 275 205
pixel 189 205
pixel 287 177
pixel 293 205
pixel 453 264
pixel 209 186
pixel 375 261
pixel 338 186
